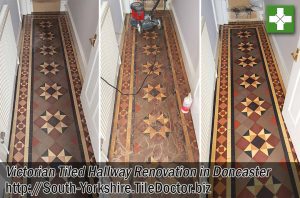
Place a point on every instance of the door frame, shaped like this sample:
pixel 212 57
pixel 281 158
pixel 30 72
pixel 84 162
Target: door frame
pixel 292 121
pixel 26 6
pixel 87 101
pixel 220 12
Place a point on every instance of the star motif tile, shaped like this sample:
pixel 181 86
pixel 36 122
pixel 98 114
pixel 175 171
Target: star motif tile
pixel 64 156
pixel 53 122
pixel 258 143
pixel 250 81
pixel 244 34
pixel 157 125
pixel 154 93
pixel 48 50
pixel 48 156
pixel 246 47
pixel 51 92
pixel 156 70
pixel 56 154
pixel 264 188
pixel 49 68
pixel 46 36
pixel 253 107
pixel 151 49
pixel 150 35
pixel 247 61
pixel 45 24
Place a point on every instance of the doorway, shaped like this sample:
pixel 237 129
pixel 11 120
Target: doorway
pixel 46 5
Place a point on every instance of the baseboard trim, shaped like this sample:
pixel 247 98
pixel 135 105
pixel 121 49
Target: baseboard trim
pixel 184 51
pixel 63 4
pixel 280 61
pixel 78 45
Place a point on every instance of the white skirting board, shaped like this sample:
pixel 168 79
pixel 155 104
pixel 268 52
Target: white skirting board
pixel 78 45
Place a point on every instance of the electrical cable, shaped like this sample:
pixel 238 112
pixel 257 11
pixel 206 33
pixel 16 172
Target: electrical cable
pixel 152 69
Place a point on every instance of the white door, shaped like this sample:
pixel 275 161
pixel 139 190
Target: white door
pixel 90 97
pixel 291 108
pixel 8 71
pixel 208 78
pixel 109 67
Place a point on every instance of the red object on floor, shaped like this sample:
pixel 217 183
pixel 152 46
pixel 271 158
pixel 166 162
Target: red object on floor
pixel 137 11
pixel 138 15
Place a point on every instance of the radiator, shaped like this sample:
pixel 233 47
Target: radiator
pixel 8 66
pixel 109 64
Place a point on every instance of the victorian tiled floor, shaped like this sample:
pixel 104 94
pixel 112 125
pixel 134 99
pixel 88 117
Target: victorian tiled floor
pixel 149 126
pixel 49 124
pixel 248 124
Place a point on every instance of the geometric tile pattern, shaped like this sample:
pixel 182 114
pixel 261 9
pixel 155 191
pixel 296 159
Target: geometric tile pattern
pixel 51 91
pixel 275 79
pixel 154 92
pixel 157 125
pixel 49 68
pixel 150 35
pixel 45 24
pixel 151 49
pixel 73 65
pixel 253 107
pixel 19 127
pixel 247 61
pixel 52 122
pixel 48 50
pixel 269 187
pixel 258 143
pixel 245 47
pixel 149 126
pixel 46 36
pixel 250 81
pixel 244 34
pixel 181 85
pixel 56 155
pixel 255 138
pixel 156 68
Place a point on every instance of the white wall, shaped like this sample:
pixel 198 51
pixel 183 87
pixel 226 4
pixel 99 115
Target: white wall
pixel 13 7
pixel 284 44
pixel 187 19
pixel 117 16
pixel 188 24
pixel 84 16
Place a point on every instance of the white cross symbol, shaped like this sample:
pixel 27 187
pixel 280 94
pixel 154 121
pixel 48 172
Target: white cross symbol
pixel 280 19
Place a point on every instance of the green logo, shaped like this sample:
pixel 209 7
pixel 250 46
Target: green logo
pixel 280 18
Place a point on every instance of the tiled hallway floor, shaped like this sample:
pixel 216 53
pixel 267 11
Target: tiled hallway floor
pixel 248 124
pixel 149 126
pixel 49 125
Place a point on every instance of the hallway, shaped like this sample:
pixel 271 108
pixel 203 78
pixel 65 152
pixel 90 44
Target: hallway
pixel 149 126
pixel 49 123
pixel 248 125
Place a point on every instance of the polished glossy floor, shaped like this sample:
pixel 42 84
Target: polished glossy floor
pixel 49 124
pixel 248 124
